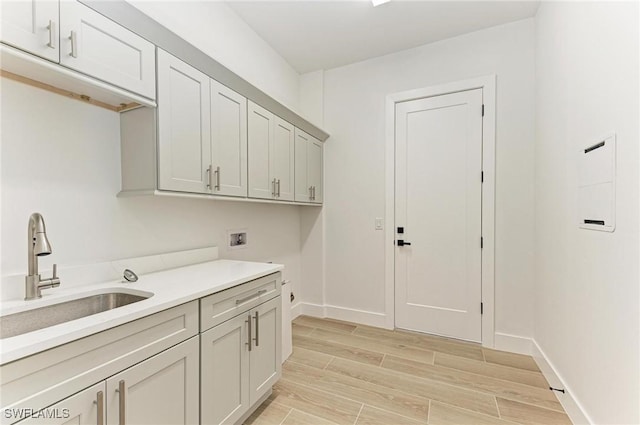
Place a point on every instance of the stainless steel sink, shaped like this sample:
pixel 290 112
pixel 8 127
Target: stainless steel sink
pixel 43 317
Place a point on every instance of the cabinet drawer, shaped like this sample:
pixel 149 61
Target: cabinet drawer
pixel 224 305
pixel 42 379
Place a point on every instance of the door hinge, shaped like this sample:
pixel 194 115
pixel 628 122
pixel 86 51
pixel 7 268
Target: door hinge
pixel 483 109
pixel 481 308
pixel 481 242
pixel 481 176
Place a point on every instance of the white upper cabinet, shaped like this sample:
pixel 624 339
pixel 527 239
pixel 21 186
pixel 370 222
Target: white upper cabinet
pixel 184 130
pixel 260 123
pixel 97 46
pixel 314 169
pixel 282 159
pixel 32 26
pixel 228 141
pixel 271 155
pixel 308 168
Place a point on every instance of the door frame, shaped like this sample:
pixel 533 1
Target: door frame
pixel 488 86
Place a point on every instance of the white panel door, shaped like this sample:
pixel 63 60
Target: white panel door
pixel 83 408
pixel 302 186
pixel 282 159
pixel 314 169
pixel 184 130
pixel 32 26
pixel 163 389
pixel 228 141
pixel 265 355
pixel 261 131
pixel 224 372
pixel 438 203
pixel 97 46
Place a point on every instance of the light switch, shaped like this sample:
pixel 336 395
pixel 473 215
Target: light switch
pixel 379 223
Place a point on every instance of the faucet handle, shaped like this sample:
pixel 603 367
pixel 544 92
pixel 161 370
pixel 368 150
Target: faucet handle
pixel 55 271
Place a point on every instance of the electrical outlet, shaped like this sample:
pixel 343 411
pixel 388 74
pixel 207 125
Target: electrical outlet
pixel 379 223
pixel 237 239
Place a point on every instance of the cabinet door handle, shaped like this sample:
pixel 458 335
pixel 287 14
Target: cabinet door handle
pixel 209 177
pixel 278 196
pixel 100 403
pixel 273 188
pixel 217 173
pixel 257 338
pixel 74 44
pixel 310 193
pixel 52 34
pixel 248 322
pixel 121 402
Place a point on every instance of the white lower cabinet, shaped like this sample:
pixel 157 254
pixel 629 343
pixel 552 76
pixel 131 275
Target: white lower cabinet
pixel 240 361
pixel 158 369
pixel 225 372
pixel 160 390
pixel 83 408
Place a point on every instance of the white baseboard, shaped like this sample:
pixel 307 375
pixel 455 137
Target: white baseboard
pixel 513 343
pixel 572 406
pixel 295 310
pixel 357 316
pixel 313 310
pixel 341 313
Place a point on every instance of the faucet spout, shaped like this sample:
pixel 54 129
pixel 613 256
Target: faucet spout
pixel 37 245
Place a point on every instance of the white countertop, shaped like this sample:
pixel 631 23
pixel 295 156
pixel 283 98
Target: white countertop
pixel 170 288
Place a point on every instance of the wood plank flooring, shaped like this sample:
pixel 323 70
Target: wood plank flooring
pixel 345 373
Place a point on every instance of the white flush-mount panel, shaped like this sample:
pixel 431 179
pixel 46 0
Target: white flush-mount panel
pixel 597 185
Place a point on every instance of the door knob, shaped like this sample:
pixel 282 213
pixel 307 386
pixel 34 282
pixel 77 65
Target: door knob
pixel 403 243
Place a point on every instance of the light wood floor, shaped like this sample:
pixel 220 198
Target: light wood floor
pixel 344 373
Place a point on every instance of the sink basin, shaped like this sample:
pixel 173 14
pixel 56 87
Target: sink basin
pixel 43 317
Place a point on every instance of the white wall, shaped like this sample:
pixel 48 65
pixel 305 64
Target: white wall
pixel 354 115
pixel 61 157
pixel 219 32
pixel 587 295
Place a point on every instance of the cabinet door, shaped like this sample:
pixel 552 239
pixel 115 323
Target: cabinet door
pixel 265 357
pixel 261 124
pixel 314 169
pixel 302 188
pixel 282 159
pixel 228 141
pixel 97 46
pixel 32 26
pixel 84 408
pixel 224 372
pixel 163 389
pixel 184 130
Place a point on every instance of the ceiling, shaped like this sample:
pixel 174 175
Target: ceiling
pixel 313 35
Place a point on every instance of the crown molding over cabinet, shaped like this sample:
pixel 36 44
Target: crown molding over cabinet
pixel 134 20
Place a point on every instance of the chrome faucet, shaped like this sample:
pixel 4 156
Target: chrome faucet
pixel 38 245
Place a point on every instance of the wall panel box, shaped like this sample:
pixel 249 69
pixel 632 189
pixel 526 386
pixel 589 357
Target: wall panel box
pixel 597 185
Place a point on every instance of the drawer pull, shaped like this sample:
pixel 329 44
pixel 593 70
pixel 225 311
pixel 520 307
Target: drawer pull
pixel 250 297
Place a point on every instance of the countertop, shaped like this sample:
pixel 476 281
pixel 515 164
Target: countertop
pixel 169 287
